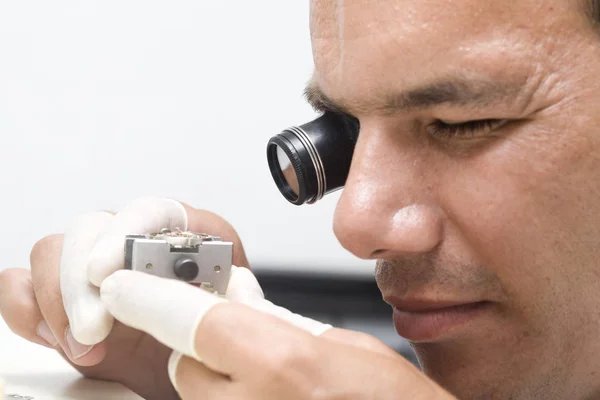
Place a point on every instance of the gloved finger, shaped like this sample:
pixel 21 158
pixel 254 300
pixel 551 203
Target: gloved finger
pixel 226 336
pixel 193 380
pixel 20 310
pixel 244 288
pixel 144 215
pixel 45 274
pixel 90 323
pixel 169 310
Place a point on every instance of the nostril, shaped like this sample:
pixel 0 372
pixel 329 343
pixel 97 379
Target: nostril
pixel 378 253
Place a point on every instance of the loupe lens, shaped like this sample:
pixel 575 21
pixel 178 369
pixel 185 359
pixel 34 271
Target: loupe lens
pixel 287 170
pixel 309 161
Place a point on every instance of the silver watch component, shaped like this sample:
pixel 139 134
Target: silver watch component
pixel 186 256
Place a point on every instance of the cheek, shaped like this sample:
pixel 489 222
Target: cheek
pixel 529 205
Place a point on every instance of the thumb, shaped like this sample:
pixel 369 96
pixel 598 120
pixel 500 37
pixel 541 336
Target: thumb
pixel 89 320
pixel 244 288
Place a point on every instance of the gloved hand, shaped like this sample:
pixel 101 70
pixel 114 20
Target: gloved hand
pixel 57 304
pixel 243 347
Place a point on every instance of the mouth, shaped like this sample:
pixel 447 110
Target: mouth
pixel 428 321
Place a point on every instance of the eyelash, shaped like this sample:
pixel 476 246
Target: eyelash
pixel 464 130
pixel 445 130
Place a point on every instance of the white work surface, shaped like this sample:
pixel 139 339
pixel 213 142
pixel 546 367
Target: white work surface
pixel 31 370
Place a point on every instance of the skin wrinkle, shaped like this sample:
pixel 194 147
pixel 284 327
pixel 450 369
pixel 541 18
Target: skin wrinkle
pixel 486 89
pixel 456 90
pixel 520 208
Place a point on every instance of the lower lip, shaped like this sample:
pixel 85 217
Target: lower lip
pixel 427 326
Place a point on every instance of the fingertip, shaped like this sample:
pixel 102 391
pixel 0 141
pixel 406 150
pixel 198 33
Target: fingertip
pixel 111 286
pixel 91 323
pixel 243 286
pixel 43 331
pixel 106 258
pixel 88 356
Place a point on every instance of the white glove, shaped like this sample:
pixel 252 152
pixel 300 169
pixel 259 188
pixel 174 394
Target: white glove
pixel 93 250
pixel 172 311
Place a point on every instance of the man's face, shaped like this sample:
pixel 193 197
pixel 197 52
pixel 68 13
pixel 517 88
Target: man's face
pixel 475 182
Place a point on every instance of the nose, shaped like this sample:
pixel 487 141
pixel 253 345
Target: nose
pixel 388 207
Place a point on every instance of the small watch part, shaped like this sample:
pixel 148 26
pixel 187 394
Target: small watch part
pixel 192 257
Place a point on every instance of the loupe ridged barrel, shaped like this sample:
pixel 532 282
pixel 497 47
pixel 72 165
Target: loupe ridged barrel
pixel 312 160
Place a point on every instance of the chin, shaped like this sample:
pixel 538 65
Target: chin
pixel 475 373
pixel 450 371
pixel 467 386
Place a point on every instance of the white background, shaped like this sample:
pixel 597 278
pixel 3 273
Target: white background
pixel 105 101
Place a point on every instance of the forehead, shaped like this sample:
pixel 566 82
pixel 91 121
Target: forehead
pixel 375 45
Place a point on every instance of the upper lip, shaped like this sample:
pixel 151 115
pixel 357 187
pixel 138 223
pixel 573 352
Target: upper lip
pixel 416 304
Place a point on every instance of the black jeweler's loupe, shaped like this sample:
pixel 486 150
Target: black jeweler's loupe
pixel 312 160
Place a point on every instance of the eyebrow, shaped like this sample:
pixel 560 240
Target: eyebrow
pixel 457 91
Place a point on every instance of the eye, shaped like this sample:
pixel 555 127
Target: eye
pixel 464 130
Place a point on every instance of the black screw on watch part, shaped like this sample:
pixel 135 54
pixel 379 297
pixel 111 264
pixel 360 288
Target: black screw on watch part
pixel 186 269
